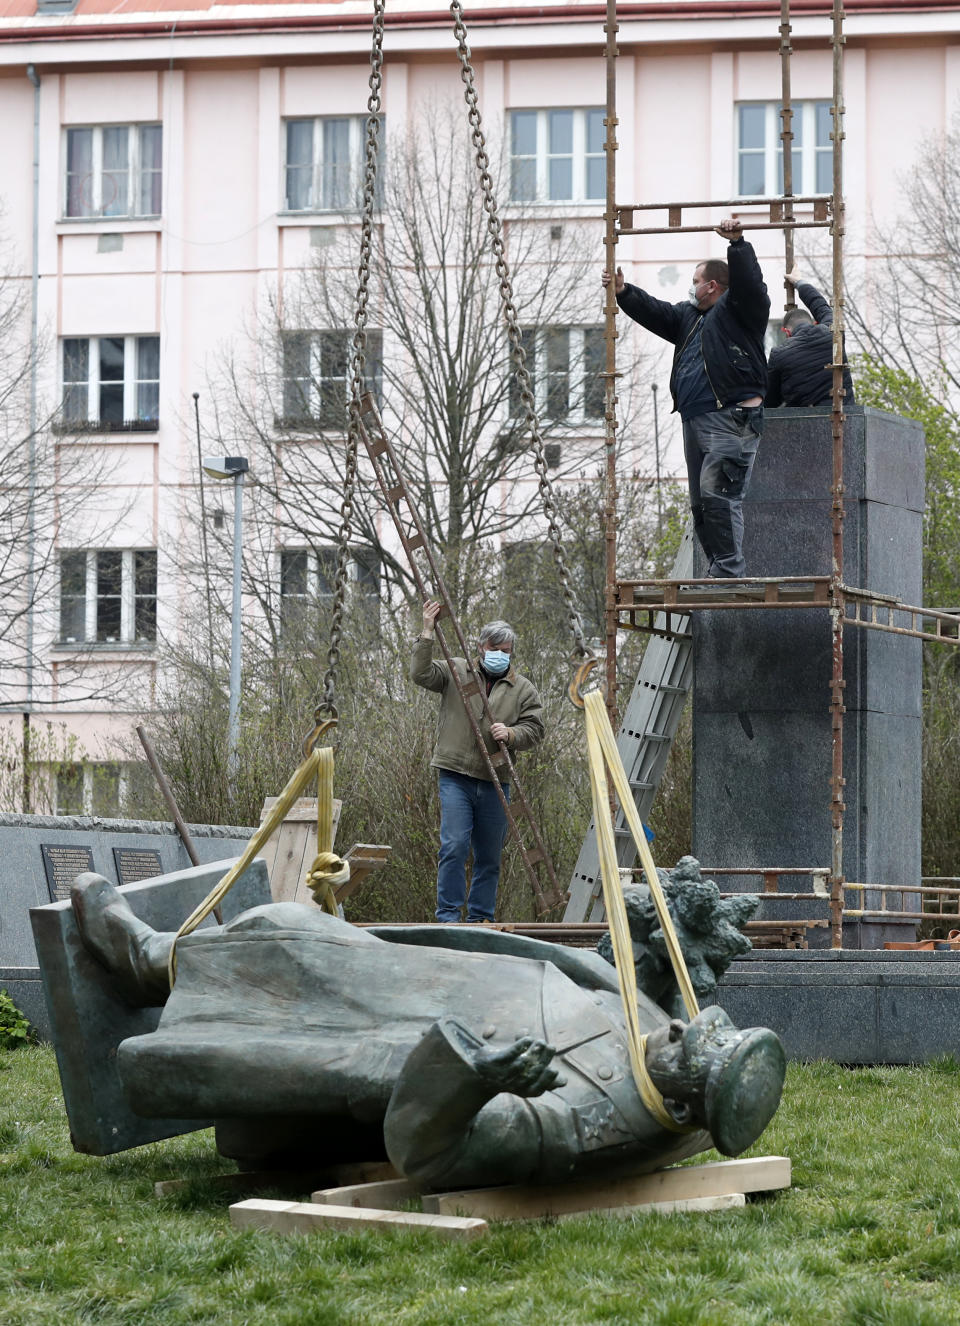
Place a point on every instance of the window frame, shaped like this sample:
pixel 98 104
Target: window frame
pixel 326 416
pixel 576 376
pixel 136 172
pixel 808 155
pixel 318 203
pixel 133 354
pixel 132 599
pixel 542 157
pixel 124 771
pixel 358 574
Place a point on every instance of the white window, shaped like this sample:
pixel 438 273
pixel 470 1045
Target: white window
pixel 760 148
pixel 557 156
pixel 564 364
pixel 106 788
pixel 316 366
pixel 307 575
pixel 111 384
pixel 113 170
pixel 108 596
pixel 324 163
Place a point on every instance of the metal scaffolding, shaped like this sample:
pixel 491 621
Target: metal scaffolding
pixel 644 604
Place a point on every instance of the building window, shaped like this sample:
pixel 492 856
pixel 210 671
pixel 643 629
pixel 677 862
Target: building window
pixel 556 156
pixel 111 384
pixel 108 596
pixel 760 148
pixel 316 366
pixel 565 364
pixel 307 576
pixel 114 170
pixel 107 789
pixel 324 163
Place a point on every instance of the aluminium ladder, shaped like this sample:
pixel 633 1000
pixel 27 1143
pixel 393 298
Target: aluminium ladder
pixel 646 733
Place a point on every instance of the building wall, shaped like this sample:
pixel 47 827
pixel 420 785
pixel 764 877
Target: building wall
pixel 221 252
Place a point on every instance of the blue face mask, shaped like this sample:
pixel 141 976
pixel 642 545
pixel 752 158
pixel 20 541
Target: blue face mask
pixel 496 661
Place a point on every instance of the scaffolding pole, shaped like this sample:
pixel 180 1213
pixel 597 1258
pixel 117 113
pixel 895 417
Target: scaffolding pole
pixel 837 682
pixel 610 370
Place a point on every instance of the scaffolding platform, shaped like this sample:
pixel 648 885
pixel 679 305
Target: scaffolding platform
pixel 638 602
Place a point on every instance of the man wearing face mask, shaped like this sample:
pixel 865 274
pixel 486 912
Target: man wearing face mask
pixel 718 383
pixel 471 813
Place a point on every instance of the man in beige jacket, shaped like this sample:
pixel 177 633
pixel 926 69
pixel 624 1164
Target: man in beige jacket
pixel 471 813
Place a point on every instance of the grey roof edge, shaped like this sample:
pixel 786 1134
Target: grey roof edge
pixel 88 823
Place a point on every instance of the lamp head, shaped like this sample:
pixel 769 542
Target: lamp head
pixel 225 467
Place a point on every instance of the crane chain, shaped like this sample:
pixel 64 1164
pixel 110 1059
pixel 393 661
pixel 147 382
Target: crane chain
pixel 517 353
pixel 327 705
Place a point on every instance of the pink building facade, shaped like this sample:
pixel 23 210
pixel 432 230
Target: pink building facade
pixel 192 158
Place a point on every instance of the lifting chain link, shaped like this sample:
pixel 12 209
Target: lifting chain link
pixel 517 353
pixel 327 705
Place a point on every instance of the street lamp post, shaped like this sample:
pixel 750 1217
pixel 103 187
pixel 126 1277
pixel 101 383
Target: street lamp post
pixel 656 453
pixel 233 467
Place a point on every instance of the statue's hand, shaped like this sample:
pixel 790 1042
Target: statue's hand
pixel 522 1068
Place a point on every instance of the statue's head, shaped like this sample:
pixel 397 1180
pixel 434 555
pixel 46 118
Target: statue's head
pixel 715 1076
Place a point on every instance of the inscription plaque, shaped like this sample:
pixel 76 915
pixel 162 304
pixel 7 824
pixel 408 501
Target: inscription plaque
pixel 62 863
pixel 136 863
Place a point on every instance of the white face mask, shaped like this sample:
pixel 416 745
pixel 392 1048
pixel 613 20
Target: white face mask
pixel 692 297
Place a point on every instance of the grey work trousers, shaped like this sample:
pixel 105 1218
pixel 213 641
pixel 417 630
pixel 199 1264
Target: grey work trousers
pixel 720 449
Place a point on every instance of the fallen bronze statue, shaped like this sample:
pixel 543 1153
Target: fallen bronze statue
pixel 468 1056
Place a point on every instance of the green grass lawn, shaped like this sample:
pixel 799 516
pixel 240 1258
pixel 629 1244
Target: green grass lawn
pixel 869 1233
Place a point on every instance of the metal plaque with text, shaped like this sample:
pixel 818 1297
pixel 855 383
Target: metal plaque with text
pixel 62 863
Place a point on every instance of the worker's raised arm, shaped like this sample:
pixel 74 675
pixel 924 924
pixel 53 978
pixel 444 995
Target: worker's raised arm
pixel 656 315
pixel 747 294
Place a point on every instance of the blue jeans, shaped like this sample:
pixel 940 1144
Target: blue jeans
pixel 470 814
pixel 720 448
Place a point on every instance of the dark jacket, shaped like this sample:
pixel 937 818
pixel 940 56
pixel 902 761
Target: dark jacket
pixel 799 370
pixel 733 328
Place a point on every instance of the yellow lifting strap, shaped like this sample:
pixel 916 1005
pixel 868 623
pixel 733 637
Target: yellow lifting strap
pixel 602 752
pixel 327 869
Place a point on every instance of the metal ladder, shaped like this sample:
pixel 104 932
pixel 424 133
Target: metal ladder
pixel 646 733
pixel 412 534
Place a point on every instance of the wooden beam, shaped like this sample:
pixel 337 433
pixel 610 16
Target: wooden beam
pixel 301 1217
pixel 680 1183
pixel 371 1172
pixel 385 1195
pixel 726 1202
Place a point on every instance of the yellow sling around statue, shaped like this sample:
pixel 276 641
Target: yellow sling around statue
pixel 602 753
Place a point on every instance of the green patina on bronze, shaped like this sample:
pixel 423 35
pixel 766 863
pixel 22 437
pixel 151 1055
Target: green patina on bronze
pixel 468 1056
pixel 708 928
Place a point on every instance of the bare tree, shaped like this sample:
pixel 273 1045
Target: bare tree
pixel 439 358
pixel 49 482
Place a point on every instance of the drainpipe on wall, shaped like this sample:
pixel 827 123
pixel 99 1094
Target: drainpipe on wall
pixel 34 78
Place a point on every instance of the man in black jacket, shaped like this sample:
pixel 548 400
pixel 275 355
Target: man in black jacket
pixel 800 370
pixel 718 383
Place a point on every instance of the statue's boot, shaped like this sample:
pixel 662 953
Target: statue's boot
pixel 133 952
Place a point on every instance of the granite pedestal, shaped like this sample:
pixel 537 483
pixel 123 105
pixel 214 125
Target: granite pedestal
pixel 108 846
pixel 852 1007
pixel 761 720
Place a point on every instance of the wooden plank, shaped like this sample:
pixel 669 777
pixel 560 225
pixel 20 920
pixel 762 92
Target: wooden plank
pixel 287 1180
pixel 290 851
pixel 386 1195
pixel 680 1183
pixel 301 1217
pixel 725 1202
pixel 363 1171
pixel 364 858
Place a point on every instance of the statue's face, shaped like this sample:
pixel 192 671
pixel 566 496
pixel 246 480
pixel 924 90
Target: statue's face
pixel 680 1056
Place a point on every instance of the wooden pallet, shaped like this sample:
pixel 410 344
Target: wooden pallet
pixel 464 1215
